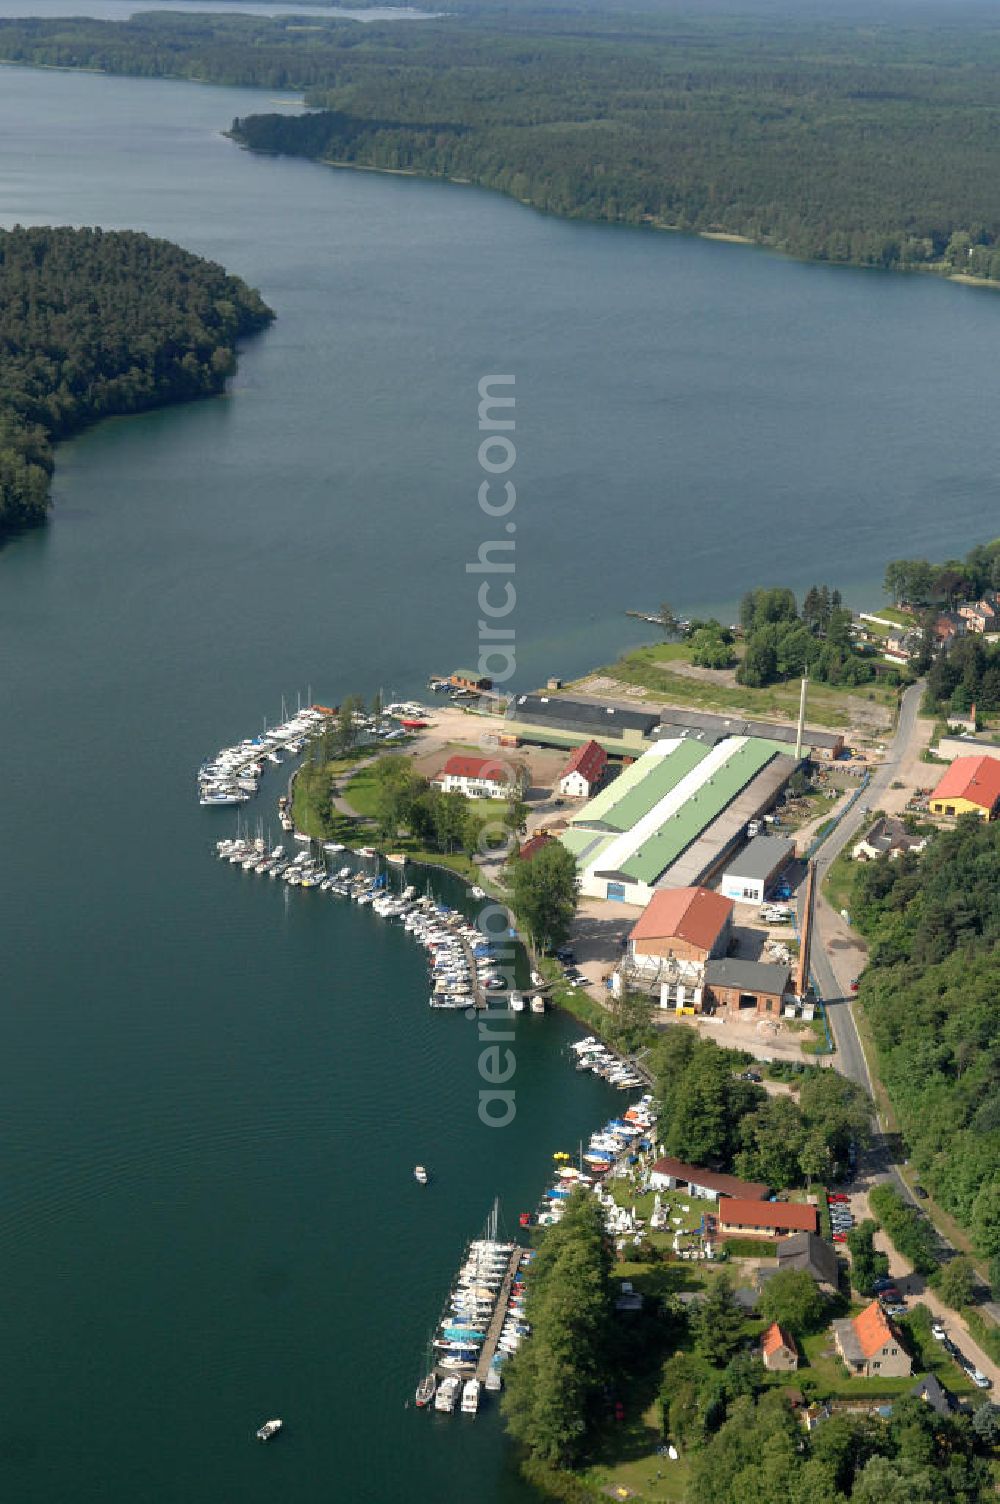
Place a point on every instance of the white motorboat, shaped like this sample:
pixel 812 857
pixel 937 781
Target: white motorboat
pixel 447 1393
pixel 538 1003
pixel 470 1397
pixel 516 1002
pixel 269 1429
pixel 420 1174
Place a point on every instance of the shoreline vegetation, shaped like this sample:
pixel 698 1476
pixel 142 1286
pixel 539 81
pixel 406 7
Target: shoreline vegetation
pixel 832 142
pixel 97 324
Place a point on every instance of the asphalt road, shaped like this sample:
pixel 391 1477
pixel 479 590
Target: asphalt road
pixel 835 989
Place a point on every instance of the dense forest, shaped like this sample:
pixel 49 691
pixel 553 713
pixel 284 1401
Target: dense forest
pixel 784 641
pixel 94 323
pixel 830 138
pixel 930 994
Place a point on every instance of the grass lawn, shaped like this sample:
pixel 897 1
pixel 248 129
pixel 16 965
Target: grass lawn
pixel 574 999
pixel 646 1475
pixel 838 885
pixel 674 1201
pixel 750 1248
pixel 893 613
pixel 828 705
pixel 829 1377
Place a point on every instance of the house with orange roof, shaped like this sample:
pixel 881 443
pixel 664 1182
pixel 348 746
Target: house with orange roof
pixel 970 786
pixel 778 1350
pixel 870 1345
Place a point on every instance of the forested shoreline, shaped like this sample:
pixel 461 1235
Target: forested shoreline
pixel 96 323
pixel 826 139
pixel 929 992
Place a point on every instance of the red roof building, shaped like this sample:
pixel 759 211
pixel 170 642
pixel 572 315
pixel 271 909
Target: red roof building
pixel 476 777
pixel 668 1173
pixel 778 1350
pixel 765 1217
pixel 970 786
pixel 584 771
pixel 869 1344
pixel 533 846
pixel 687 924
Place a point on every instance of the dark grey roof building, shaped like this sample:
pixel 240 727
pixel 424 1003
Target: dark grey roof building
pixel 759 977
pixel 804 1250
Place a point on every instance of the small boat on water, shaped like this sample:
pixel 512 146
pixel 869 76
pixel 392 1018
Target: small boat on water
pixel 420 1174
pixel 470 1397
pixel 516 1002
pixel 538 1003
pixel 397 858
pixel 477 891
pixel 269 1429
pixel 426 1390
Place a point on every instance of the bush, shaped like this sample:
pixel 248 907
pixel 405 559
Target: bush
pixel 911 1234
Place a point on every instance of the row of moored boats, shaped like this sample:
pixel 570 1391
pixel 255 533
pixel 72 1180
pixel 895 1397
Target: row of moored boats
pixel 463 967
pixel 233 775
pixel 592 1055
pixel 616 1146
pixel 485 1278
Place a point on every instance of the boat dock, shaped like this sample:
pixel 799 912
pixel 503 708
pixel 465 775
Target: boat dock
pixel 498 1318
pixel 479 997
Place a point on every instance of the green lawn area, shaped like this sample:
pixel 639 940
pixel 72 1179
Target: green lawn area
pixel 893 613
pixel 750 1248
pixel 674 1201
pixel 838 885
pixel 828 706
pixel 574 999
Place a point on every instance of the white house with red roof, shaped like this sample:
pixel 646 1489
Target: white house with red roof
pixel 475 777
pixel 584 771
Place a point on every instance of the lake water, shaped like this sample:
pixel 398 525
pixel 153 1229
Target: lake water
pixel 211 1091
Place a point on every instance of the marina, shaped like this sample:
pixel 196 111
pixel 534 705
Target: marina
pixel 481 1325
pixel 233 774
pixel 465 970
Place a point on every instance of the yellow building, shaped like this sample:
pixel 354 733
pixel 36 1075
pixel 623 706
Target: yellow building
pixel 971 786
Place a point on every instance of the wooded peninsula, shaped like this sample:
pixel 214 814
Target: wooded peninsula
pixel 95 323
pixel 828 138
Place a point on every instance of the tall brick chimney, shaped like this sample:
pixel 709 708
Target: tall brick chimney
pixel 805 942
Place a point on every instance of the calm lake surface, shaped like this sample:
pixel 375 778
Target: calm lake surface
pixel 212 1091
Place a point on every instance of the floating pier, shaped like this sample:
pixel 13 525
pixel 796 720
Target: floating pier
pixel 496 1325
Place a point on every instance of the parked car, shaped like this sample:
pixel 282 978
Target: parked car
pixel 980 1380
pixel 918 1190
pixel 855 983
pixel 750 1076
pixel 896 1309
pixel 882 1283
pixel 938 1332
pixel 840 1237
pixel 837 1196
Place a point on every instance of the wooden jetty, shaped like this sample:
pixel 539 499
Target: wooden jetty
pixel 498 1318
